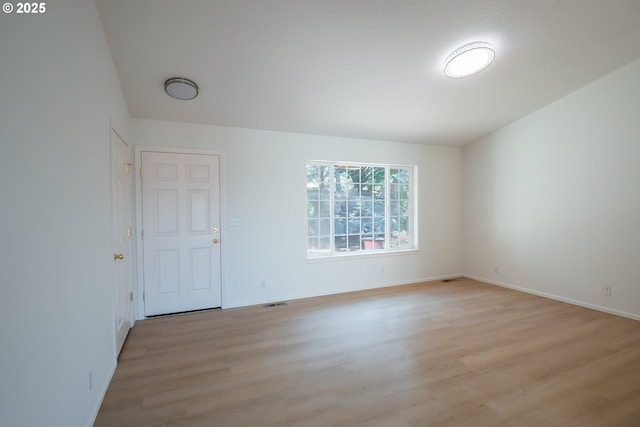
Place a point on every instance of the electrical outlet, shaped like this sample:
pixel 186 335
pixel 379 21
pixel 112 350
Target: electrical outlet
pixel 606 290
pixel 496 269
pixel 90 381
pixel 263 284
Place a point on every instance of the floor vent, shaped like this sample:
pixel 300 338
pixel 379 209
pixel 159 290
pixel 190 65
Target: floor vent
pixel 449 280
pixel 275 304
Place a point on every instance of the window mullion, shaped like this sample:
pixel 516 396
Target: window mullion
pixel 332 215
pixel 387 209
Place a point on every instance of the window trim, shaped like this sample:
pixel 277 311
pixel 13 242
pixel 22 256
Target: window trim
pixel 413 209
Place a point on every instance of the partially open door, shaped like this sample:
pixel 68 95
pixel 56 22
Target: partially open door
pixel 121 169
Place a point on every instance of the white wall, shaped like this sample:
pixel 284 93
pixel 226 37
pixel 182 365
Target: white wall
pixel 264 185
pixel 58 91
pixel 553 199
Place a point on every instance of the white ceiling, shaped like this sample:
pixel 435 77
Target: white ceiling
pixel 363 68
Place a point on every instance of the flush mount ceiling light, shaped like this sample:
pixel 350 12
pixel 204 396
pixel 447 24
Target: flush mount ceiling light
pixel 181 88
pixel 468 60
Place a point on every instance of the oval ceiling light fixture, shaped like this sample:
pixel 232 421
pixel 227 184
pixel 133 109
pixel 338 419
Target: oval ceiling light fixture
pixel 468 60
pixel 181 88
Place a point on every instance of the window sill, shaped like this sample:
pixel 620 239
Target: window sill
pixel 360 255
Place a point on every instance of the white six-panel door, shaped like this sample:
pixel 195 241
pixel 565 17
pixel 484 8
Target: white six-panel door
pixel 181 232
pixel 121 210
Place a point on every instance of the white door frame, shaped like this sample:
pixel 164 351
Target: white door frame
pixel 139 285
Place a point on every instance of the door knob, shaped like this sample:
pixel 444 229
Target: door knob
pixel 118 256
pixel 215 240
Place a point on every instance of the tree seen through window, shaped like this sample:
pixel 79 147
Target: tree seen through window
pixel 354 208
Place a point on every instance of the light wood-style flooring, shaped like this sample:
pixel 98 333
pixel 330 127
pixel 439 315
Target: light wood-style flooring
pixel 461 353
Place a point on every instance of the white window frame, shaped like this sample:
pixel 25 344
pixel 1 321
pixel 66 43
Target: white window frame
pixel 413 212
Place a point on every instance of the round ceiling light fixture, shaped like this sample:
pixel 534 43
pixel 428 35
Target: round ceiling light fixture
pixel 468 60
pixel 181 88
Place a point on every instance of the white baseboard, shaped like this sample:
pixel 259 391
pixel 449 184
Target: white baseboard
pixel 556 297
pixel 247 303
pixel 103 392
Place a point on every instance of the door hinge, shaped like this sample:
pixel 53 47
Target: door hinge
pixel 130 296
pixel 142 296
pixel 129 168
pixel 142 234
pixel 129 232
pixel 140 172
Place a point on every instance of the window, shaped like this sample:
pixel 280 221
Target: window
pixel 359 208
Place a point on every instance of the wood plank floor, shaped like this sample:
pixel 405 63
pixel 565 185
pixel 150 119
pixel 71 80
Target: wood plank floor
pixel 461 353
